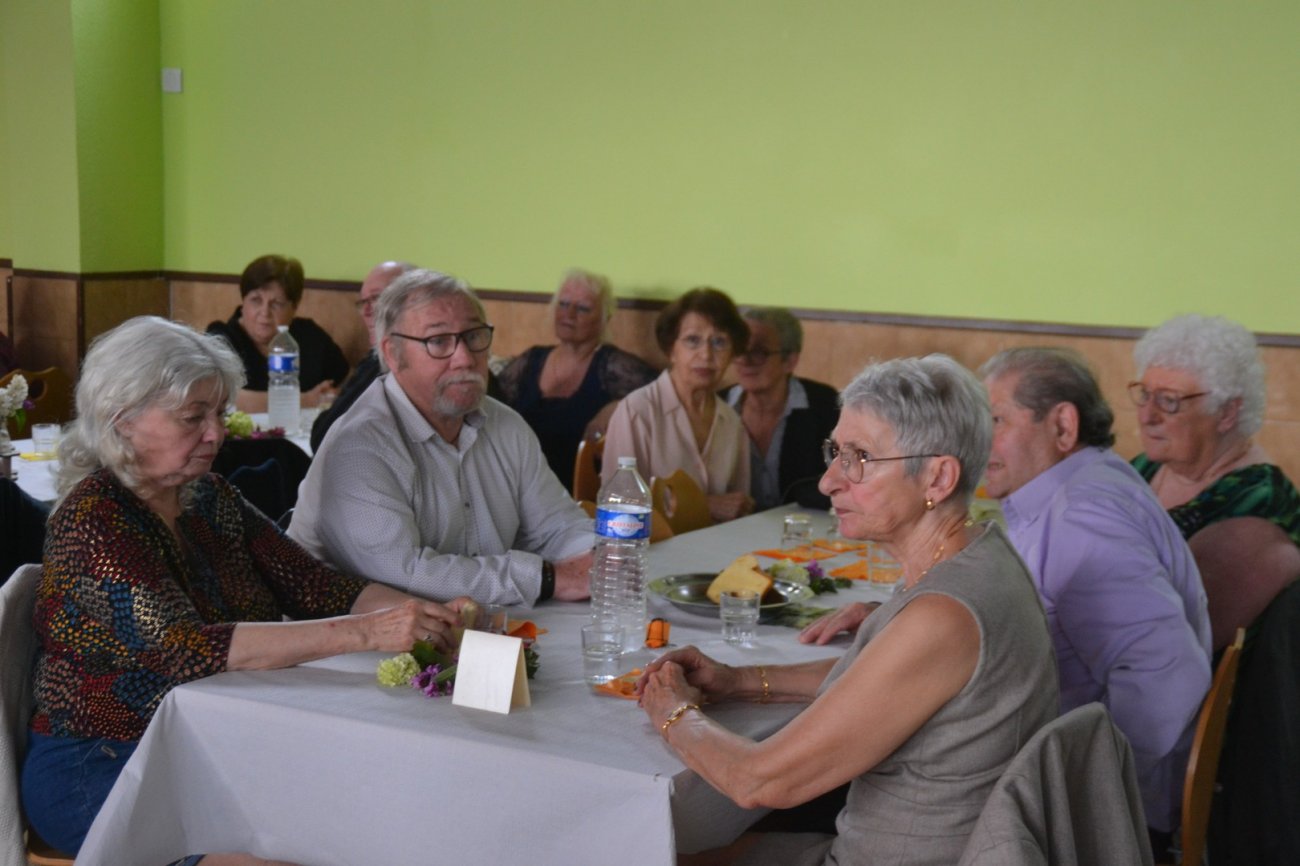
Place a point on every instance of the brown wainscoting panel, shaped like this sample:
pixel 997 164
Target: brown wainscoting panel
pixel 198 302
pixel 47 320
pixel 108 301
pixel 7 306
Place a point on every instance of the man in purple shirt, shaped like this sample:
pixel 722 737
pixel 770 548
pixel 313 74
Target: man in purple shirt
pixel 1124 599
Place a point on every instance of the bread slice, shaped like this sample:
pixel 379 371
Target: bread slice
pixel 744 573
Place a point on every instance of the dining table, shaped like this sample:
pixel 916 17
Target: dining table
pixel 37 474
pixel 319 764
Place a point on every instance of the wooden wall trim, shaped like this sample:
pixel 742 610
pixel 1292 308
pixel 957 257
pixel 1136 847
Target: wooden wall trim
pixel 1050 329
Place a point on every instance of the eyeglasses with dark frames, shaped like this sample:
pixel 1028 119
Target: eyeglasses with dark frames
pixel 853 461
pixel 1168 402
pixel 366 303
pixel 759 357
pixel 441 346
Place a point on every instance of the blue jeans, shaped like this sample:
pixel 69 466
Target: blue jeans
pixel 65 782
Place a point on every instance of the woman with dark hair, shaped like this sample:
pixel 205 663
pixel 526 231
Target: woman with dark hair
pixel 271 289
pixel 678 421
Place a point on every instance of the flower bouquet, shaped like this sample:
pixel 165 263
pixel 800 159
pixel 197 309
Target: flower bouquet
pixel 428 670
pixel 239 425
pixel 14 403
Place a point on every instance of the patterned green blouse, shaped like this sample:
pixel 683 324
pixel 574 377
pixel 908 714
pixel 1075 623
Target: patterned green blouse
pixel 1258 490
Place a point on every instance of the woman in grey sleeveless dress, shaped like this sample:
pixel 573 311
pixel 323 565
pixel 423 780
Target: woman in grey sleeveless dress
pixel 942 685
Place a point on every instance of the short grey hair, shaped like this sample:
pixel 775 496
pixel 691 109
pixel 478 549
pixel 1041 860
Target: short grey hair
pixel 1050 376
pixel 1221 354
pixel 935 406
pixel 415 288
pixel 142 363
pixel 600 288
pixel 789 333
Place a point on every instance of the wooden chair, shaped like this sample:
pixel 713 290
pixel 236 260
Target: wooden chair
pixel 682 501
pixel 50 391
pixel 18 844
pixel 1203 765
pixel 586 469
pixel 659 528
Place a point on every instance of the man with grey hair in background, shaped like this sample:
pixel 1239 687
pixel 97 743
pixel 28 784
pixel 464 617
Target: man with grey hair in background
pixel 429 485
pixel 1123 595
pixel 367 369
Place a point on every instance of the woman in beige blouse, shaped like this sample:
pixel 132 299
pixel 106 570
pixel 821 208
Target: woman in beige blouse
pixel 678 421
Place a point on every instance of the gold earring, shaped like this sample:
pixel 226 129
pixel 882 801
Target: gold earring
pixel 929 504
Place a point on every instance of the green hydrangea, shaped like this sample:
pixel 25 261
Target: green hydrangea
pixel 398 670
pixel 239 424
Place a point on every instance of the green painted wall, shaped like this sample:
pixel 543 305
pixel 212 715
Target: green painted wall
pixel 119 133
pixel 1108 163
pixel 1105 163
pixel 38 165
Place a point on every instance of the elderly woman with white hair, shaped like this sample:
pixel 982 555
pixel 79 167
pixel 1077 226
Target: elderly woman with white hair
pixel 1200 398
pixel 568 391
pixel 157 572
pixel 944 682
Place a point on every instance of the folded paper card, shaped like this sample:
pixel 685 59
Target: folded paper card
pixel 490 673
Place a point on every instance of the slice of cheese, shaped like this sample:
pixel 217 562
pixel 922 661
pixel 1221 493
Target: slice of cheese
pixel 744 573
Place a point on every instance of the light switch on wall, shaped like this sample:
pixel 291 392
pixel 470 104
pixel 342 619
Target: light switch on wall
pixel 171 80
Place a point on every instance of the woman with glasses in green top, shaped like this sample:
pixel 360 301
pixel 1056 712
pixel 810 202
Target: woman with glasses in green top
pixel 1200 397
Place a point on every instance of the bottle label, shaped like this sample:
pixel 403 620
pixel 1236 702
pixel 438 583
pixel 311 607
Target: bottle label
pixel 282 363
pixel 626 525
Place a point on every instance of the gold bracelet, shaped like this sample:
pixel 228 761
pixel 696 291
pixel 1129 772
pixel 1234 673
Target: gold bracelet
pixel 767 689
pixel 675 715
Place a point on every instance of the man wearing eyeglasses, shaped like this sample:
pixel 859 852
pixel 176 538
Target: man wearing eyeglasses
pixel 1123 596
pixel 429 485
pixel 367 369
pixel 785 416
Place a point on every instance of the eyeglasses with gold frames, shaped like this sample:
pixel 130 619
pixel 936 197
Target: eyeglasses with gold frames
pixel 853 461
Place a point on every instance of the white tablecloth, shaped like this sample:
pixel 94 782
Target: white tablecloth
pixel 39 478
pixel 320 765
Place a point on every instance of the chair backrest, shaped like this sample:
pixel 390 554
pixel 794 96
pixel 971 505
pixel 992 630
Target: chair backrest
pixel 659 528
pixel 586 469
pixel 17 655
pixel 681 501
pixel 1203 765
pixel 50 391
pixel 266 471
pixel 1070 796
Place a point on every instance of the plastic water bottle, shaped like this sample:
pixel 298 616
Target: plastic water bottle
pixel 618 565
pixel 283 399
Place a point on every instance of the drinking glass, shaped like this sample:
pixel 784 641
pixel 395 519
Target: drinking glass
pixel 739 611
pixel 492 618
pixel 796 531
pixel 45 438
pixel 602 650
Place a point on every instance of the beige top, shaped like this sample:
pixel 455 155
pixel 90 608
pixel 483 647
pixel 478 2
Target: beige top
pixel 651 425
